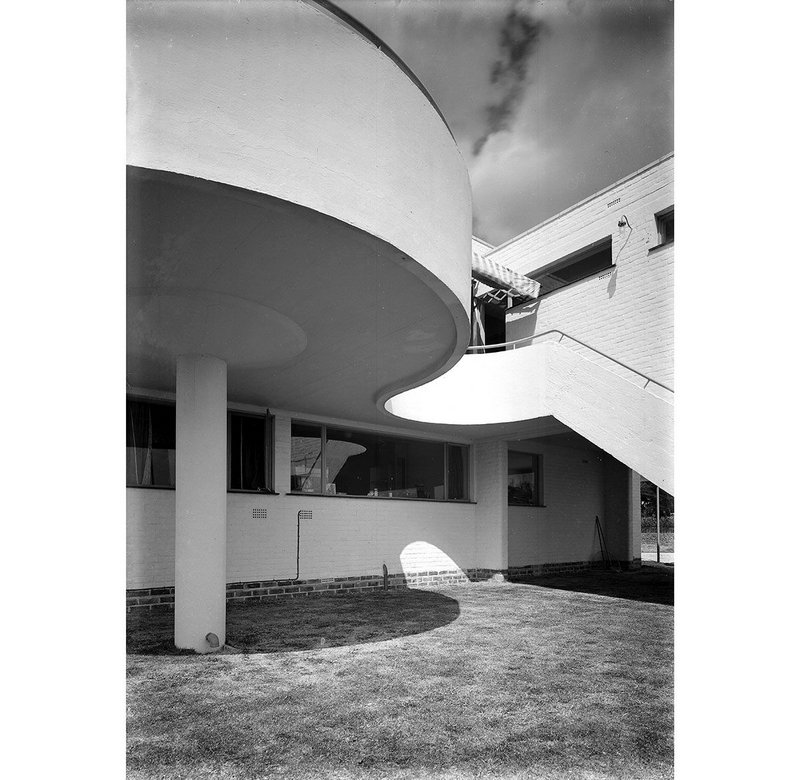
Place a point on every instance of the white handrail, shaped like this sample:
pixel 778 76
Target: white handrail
pixel 528 340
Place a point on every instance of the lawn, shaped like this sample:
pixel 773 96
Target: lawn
pixel 570 677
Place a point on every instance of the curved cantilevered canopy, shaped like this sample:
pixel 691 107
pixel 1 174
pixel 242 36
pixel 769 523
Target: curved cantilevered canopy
pixel 297 207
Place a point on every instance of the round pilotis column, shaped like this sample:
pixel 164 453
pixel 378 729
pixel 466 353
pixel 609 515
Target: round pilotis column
pixel 200 502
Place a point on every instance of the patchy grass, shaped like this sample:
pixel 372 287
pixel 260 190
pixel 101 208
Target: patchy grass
pixel 479 681
pixel 306 624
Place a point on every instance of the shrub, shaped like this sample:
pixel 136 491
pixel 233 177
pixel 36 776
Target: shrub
pixel 667 522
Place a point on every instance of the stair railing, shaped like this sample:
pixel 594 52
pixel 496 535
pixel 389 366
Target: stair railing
pixel 528 341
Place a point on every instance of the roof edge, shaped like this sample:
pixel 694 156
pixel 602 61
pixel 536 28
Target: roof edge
pixel 584 201
pixel 370 37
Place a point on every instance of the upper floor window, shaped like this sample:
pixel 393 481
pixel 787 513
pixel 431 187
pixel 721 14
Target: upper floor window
pixel 576 266
pixel 150 444
pixel 665 222
pixel 344 462
pixel 524 479
pixel 249 452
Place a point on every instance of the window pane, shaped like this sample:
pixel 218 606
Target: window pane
pixel 368 464
pixel 579 267
pixel 419 469
pixel 523 475
pixel 248 453
pixel 666 228
pixel 306 458
pixel 350 459
pixel 456 472
pixel 150 444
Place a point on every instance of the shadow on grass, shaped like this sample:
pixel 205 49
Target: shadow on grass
pixel 653 583
pixel 285 625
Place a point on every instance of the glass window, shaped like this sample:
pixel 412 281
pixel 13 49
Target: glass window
pixel 524 479
pixel 249 461
pixel 577 266
pixel 370 464
pixel 150 444
pixel 306 458
pixel 344 462
pixel 666 227
pixel 457 464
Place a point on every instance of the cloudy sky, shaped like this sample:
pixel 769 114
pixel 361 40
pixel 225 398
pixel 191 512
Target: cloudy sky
pixel 549 100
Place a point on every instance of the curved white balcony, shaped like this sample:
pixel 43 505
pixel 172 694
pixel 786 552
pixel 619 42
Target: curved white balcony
pixel 295 200
pixel 621 411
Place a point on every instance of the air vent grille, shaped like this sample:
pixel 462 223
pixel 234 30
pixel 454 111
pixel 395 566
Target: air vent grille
pixel 259 513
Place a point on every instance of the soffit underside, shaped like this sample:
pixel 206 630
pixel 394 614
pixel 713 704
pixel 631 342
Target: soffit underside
pixel 309 312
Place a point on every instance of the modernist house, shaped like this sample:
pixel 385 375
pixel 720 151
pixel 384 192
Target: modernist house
pixel 332 385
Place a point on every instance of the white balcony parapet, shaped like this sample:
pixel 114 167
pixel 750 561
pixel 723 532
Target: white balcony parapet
pixel 291 100
pixel 615 407
pixel 280 140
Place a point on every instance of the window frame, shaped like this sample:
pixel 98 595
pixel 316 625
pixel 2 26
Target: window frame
pixel 606 243
pixel 323 464
pixel 153 402
pixel 538 471
pixel 269 452
pixel 661 218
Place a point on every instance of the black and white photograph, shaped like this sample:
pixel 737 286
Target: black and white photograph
pixel 399 375
pixel 392 285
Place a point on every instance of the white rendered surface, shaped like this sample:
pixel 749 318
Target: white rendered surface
pixel 481 389
pixel 200 501
pixel 283 98
pixel 631 422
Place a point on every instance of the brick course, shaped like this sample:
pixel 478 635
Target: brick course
pixel 236 592
pixel 239 592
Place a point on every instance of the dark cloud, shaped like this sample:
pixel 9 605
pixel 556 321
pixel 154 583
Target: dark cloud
pixel 517 41
pixel 560 97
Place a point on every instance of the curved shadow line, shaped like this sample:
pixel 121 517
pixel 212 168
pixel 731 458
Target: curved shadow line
pixel 292 625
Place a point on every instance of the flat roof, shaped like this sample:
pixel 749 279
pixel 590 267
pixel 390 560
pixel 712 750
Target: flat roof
pixel 584 201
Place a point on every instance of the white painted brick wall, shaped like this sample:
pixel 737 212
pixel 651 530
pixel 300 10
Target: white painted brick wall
pixel 627 314
pixel 150 538
pixel 345 537
pixel 563 530
pixel 356 536
pixel 491 530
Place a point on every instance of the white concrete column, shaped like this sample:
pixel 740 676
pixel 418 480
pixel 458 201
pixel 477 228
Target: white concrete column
pixel 200 500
